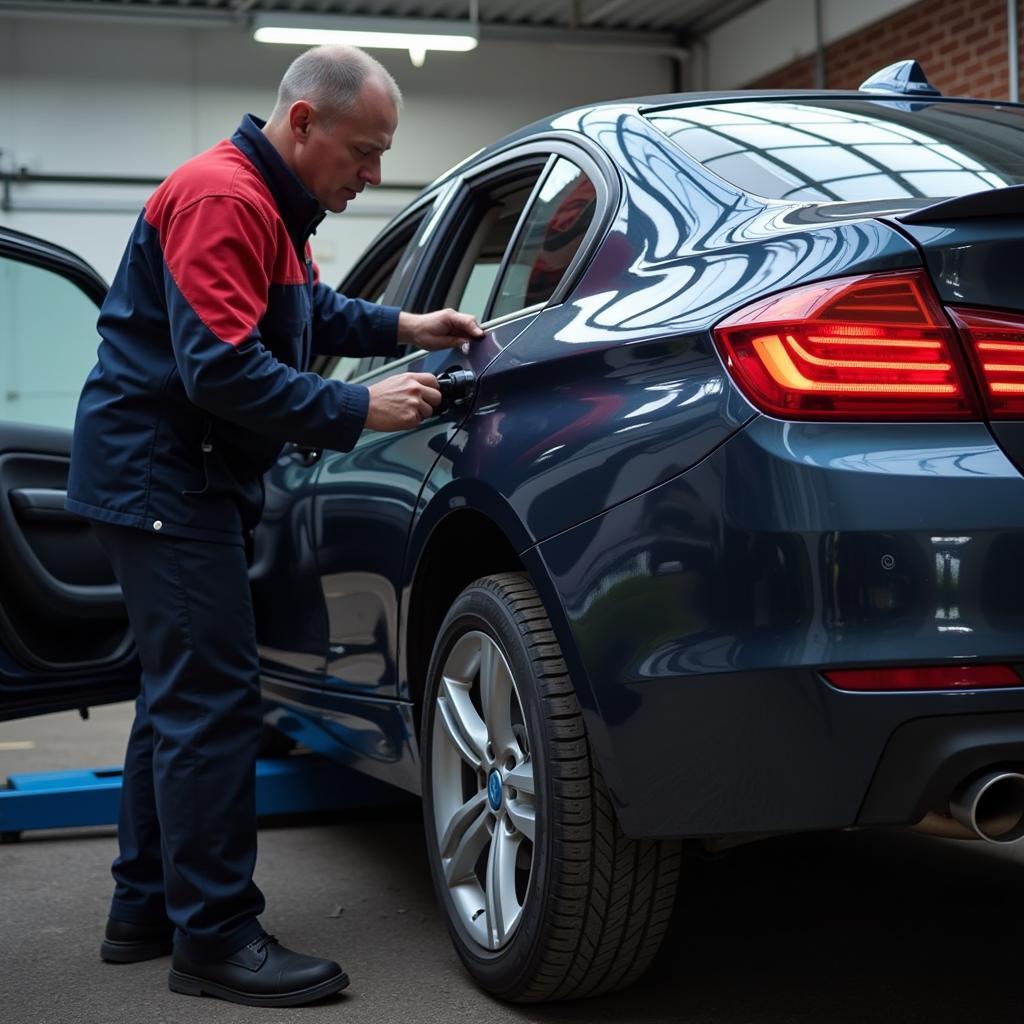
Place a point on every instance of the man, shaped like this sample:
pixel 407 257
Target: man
pixel 202 374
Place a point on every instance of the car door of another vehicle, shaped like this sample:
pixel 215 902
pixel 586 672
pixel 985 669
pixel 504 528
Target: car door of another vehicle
pixel 64 636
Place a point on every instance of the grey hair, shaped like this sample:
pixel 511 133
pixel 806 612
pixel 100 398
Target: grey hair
pixel 330 77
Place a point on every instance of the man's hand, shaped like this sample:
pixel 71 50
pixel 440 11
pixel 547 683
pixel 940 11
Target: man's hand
pixel 402 401
pixel 446 328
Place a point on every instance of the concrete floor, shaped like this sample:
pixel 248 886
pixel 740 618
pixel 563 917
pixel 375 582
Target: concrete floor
pixel 854 928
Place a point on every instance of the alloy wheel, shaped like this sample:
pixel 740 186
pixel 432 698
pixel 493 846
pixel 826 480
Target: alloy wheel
pixel 482 785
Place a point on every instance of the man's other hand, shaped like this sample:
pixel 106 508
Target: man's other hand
pixel 445 328
pixel 402 401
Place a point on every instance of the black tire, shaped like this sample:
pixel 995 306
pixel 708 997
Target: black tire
pixel 597 903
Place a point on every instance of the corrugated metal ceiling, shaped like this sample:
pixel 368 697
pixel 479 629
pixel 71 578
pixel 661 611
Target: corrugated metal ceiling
pixel 681 18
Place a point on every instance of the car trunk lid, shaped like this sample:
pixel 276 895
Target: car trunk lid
pixel 973 248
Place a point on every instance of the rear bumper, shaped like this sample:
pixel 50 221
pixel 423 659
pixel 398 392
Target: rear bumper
pixel 927 759
pixel 699 616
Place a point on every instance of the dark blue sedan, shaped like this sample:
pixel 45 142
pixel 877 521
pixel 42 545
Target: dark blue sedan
pixel 720 536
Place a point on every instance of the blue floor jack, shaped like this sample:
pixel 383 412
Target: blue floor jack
pixel 300 783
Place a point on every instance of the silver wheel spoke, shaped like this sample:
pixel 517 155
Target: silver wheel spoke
pixel 496 693
pixel 464 839
pixel 502 907
pixel 463 726
pixel 520 808
pixel 521 778
pixel 521 814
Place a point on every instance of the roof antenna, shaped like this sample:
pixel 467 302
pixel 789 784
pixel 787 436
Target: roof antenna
pixel 905 77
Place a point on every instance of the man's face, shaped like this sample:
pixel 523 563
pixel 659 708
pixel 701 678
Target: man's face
pixel 338 157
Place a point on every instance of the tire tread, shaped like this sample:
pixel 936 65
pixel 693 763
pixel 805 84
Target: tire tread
pixel 611 896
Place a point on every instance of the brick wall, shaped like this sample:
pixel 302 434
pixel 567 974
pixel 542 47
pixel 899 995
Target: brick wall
pixel 961 46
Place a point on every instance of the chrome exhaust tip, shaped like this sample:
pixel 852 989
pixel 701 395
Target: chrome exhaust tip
pixel 992 806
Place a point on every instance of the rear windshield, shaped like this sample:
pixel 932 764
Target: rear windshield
pixel 850 150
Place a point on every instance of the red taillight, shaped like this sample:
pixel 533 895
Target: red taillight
pixel 995 342
pixel 875 347
pixel 943 677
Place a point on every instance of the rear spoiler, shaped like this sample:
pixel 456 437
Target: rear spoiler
pixel 996 202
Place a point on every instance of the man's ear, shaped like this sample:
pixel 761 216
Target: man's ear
pixel 300 120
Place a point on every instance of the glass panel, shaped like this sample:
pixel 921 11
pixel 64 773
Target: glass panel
pixel 380 278
pixel 823 150
pixel 48 337
pixel 553 231
pixel 498 214
pixel 478 288
pixel 905 156
pixel 345 368
pixel 388 255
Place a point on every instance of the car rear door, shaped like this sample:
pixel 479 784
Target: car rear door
pixel 367 498
pixel 490 256
pixel 64 636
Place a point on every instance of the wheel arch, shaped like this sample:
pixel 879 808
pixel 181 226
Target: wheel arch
pixel 466 531
pixel 458 547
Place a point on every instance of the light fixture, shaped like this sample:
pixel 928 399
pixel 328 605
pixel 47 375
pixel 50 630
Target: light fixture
pixel 417 35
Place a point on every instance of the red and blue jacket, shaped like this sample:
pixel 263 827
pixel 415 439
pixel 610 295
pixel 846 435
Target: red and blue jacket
pixel 206 338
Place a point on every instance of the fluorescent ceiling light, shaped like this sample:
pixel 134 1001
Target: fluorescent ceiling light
pixel 417 35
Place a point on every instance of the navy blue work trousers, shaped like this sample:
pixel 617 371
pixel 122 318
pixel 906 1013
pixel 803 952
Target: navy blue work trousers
pixel 187 827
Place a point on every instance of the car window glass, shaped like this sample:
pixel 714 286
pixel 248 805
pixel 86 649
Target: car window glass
pixel 474 277
pixel 49 338
pixel 828 150
pixel 551 234
pixel 346 368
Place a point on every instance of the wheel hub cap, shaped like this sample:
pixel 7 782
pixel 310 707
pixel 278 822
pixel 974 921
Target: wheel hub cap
pixel 494 791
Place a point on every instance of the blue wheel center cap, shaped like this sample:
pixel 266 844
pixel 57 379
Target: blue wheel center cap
pixel 494 790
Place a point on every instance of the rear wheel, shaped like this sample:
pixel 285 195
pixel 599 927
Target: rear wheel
pixel 544 896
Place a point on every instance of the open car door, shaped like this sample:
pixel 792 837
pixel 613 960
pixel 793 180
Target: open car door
pixel 64 635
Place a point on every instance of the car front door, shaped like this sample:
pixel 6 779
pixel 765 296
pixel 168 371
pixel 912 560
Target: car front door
pixel 64 636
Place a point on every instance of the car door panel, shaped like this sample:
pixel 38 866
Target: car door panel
pixel 63 624
pixel 287 605
pixel 364 505
pixel 64 635
pixel 367 499
pixel 366 502
pixel 297 610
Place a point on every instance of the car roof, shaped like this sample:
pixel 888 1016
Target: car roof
pixel 561 120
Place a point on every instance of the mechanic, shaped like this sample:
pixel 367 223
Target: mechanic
pixel 202 375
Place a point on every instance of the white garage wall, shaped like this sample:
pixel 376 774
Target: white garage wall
pixel 95 98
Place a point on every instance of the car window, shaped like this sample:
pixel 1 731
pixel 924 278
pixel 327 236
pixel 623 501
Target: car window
pixel 551 234
pixel 371 280
pixel 848 150
pixel 49 339
pixel 498 211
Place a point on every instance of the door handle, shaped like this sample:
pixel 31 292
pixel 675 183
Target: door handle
pixel 42 505
pixel 457 388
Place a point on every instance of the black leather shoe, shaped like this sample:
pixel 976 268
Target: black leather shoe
pixel 128 943
pixel 263 973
